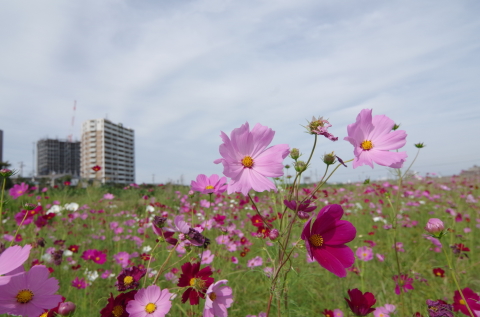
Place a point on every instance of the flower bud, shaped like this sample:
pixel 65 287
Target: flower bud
pixel 435 227
pixel 295 153
pixel 420 145
pixel 273 234
pixel 329 158
pixel 303 215
pixel 300 166
pixel 5 172
pixel 66 308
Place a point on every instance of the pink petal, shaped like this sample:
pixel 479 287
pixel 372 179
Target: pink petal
pixel 329 262
pixel 385 158
pixel 383 125
pixel 13 257
pixel 270 162
pixel 341 233
pixel 391 141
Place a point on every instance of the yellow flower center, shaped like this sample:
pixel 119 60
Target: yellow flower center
pixel 117 311
pixel 316 240
pixel 438 273
pixel 197 283
pixel 212 296
pixel 462 302
pixel 45 314
pixel 97 258
pixel 247 161
pixel 366 145
pixel 150 308
pixel 128 280
pixel 209 187
pixel 24 296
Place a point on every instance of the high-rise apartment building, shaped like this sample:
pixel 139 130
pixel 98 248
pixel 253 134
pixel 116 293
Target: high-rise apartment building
pixel 110 146
pixel 58 157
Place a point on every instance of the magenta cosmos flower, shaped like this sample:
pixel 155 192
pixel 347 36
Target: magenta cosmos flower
pixel 248 162
pixel 18 190
pixel 150 302
pixel 373 139
pixel 11 259
pixel 209 185
pixel 29 293
pixel 218 299
pixel 325 240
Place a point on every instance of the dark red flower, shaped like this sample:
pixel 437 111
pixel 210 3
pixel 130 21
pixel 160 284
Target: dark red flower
pixel 129 278
pixel 327 313
pixel 471 300
pixel 73 248
pixel 96 168
pixel 439 272
pixel 158 224
pixel 298 206
pixel 116 307
pixel 196 280
pixel 257 221
pixel 360 304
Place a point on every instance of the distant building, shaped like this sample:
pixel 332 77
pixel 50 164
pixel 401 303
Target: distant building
pixel 110 146
pixel 59 157
pixel 1 146
pixel 472 171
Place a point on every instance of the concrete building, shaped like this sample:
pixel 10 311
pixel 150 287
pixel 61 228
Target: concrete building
pixel 110 146
pixel 60 157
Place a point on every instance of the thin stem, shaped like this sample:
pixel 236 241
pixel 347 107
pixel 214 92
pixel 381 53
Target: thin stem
pixel 21 223
pixel 165 263
pixel 258 212
pixel 150 261
pixel 1 203
pixel 418 152
pixel 456 282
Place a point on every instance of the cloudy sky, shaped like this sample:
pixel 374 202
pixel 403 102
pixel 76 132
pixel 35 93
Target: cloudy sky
pixel 179 72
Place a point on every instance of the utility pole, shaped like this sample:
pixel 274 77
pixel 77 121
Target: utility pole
pixel 21 168
pixel 33 161
pixel 153 179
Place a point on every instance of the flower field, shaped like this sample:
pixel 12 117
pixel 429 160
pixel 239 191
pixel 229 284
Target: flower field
pixel 249 245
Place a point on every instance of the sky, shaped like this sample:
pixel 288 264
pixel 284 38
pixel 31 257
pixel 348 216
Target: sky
pixel 179 72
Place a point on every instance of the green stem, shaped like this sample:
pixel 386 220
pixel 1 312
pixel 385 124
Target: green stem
pixel 1 204
pixel 21 223
pixel 165 263
pixel 456 281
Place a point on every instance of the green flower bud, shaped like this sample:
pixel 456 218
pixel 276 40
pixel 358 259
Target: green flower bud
pixel 295 153
pixel 300 166
pixel 329 158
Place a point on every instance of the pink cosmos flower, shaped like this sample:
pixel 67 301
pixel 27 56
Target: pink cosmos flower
pixel 373 139
pixel 207 257
pixel 384 311
pixel 150 302
pixel 95 255
pixel 247 160
pixel 256 261
pixel 122 258
pixel 108 196
pixel 325 240
pixel 209 185
pixel 218 299
pixel 29 293
pixel 79 283
pixel 364 254
pixel 402 283
pixel 18 190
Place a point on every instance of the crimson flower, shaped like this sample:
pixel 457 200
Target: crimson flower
pixel 327 313
pixel 129 278
pixel 471 300
pixel 360 304
pixel 116 307
pixel 96 168
pixel 439 272
pixel 196 280
pixel 325 240
pixel 95 255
